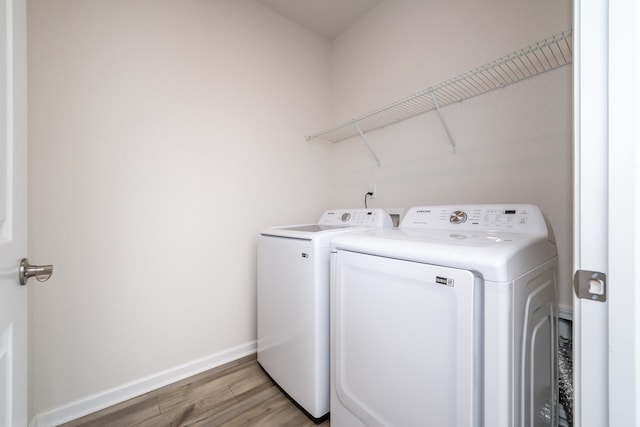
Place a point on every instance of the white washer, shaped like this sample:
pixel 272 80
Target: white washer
pixel 293 303
pixel 449 320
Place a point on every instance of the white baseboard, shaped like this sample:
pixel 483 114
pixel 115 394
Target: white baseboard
pixel 107 398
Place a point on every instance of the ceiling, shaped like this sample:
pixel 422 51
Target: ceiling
pixel 327 18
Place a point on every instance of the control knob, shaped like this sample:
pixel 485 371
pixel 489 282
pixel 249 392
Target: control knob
pixel 458 217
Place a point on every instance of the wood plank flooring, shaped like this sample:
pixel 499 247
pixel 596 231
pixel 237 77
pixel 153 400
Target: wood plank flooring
pixel 236 394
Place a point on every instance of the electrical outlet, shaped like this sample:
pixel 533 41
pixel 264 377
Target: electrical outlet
pixel 372 190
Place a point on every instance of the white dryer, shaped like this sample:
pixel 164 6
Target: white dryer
pixel 293 303
pixel 449 320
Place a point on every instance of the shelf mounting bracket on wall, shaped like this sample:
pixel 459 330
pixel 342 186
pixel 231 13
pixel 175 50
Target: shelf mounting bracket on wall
pixel 366 141
pixel 444 122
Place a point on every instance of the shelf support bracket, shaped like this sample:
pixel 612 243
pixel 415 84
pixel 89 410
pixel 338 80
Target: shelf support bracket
pixel 366 141
pixel 444 122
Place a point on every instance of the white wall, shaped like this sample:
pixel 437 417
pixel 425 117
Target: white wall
pixel 514 144
pixel 163 136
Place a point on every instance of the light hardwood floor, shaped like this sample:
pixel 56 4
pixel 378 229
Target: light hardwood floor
pixel 236 394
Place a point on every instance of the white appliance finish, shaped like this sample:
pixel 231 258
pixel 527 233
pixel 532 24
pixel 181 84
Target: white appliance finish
pixel 293 303
pixel 449 320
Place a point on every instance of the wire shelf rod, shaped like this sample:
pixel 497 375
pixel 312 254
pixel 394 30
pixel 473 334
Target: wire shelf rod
pixel 540 57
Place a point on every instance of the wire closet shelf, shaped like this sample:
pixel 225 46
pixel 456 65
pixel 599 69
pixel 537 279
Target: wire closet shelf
pixel 540 57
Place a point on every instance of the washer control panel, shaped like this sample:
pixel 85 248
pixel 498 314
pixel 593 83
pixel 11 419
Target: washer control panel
pixel 356 218
pixel 517 218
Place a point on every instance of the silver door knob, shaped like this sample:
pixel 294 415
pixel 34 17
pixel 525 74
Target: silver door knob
pixel 40 272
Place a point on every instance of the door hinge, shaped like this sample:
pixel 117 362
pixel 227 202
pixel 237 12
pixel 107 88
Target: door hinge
pixel 591 285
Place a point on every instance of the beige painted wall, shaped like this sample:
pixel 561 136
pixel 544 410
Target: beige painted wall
pixel 163 136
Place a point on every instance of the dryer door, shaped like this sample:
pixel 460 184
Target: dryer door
pixel 407 343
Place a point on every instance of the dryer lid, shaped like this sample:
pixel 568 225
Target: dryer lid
pixel 501 242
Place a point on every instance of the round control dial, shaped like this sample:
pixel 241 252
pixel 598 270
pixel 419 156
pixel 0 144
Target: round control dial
pixel 458 217
pixel 346 217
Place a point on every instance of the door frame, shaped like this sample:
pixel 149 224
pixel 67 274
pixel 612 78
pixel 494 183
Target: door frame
pixel 13 215
pixel 606 208
pixel 624 211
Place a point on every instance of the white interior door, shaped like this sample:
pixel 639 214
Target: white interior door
pixel 607 208
pixel 13 215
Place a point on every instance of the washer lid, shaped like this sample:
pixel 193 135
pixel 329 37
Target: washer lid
pixel 333 222
pixel 313 228
pixel 306 231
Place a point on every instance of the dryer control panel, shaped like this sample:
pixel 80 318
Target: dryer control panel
pixel 356 218
pixel 517 218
